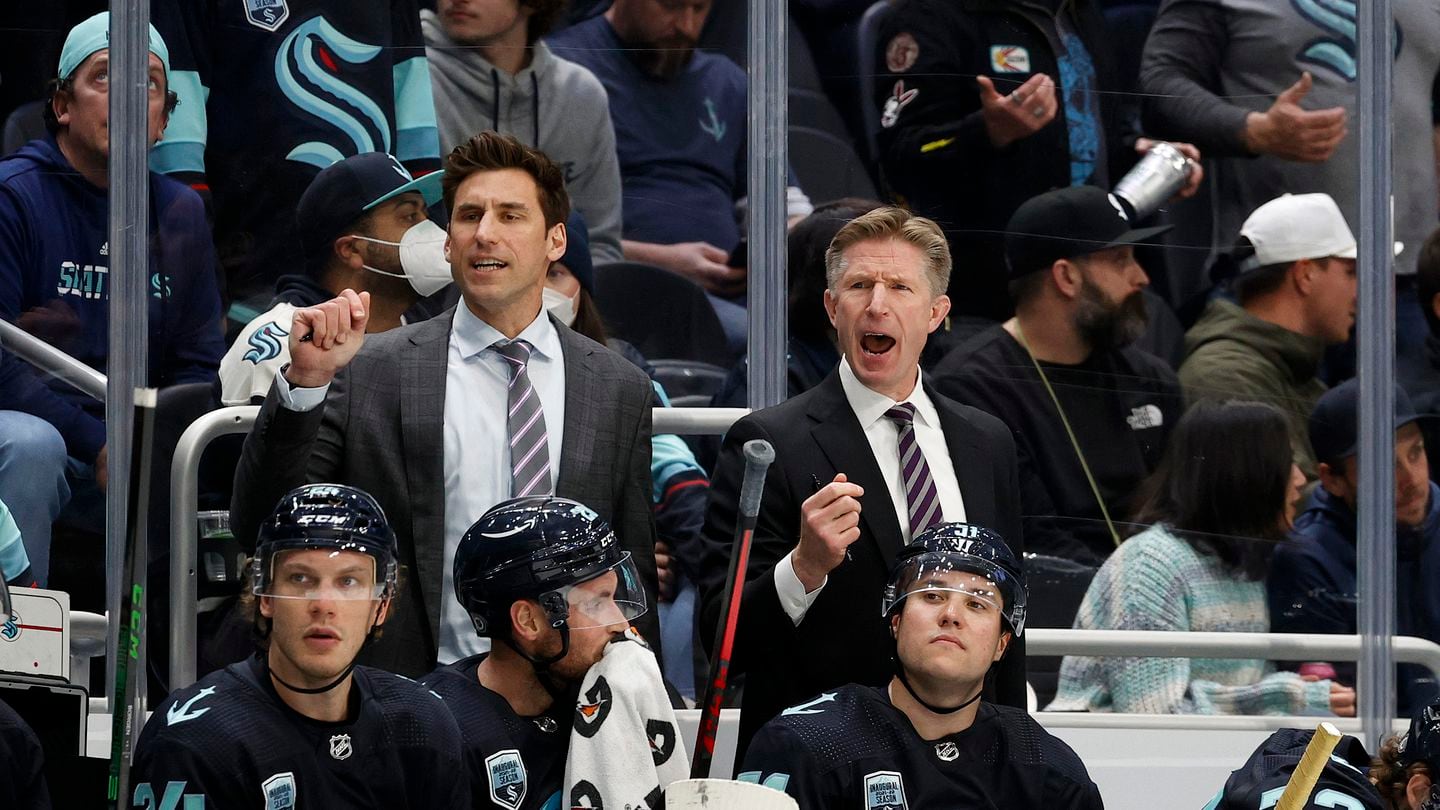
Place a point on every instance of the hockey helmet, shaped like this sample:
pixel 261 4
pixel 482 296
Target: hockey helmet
pixel 932 561
pixel 541 548
pixel 331 517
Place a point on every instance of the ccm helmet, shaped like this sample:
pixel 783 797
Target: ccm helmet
pixel 329 517
pixel 959 548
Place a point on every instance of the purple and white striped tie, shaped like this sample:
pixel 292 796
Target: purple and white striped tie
pixel 920 493
pixel 529 446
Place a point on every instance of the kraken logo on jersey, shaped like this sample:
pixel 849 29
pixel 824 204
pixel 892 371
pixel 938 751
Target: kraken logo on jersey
pixel 266 14
pixel 266 342
pixel 507 778
pixel 340 748
pixel 319 52
pixel 884 790
pixel 279 791
pixel 1337 50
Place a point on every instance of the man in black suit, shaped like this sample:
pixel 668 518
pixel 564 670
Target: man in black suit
pixel 864 461
pixel 442 419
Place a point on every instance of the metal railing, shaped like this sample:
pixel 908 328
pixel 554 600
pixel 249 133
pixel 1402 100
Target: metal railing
pixel 52 361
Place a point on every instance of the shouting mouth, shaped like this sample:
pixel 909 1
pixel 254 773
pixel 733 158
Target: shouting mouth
pixel 876 343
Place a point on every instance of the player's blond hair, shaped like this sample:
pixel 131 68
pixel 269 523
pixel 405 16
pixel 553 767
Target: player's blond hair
pixel 890 222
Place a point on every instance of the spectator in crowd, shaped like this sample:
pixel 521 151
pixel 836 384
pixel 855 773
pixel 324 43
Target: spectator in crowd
pixel 869 457
pixel 270 97
pixel 1090 412
pixel 54 268
pixel 954 603
pixel 14 562
pixel 415 417
pixel 1294 279
pixel 300 717
pixel 1313 582
pixel 1404 772
pixel 680 129
pixel 1223 496
pixel 1421 376
pixel 549 584
pixel 364 226
pixel 1039 113
pixel 22 764
pixel 1269 90
pixel 490 70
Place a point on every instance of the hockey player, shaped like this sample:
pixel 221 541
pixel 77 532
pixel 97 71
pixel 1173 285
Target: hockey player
pixel 299 725
pixel 1259 783
pixel 1405 771
pixel 548 582
pixel 955 600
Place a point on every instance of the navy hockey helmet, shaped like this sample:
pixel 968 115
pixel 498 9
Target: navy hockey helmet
pixel 541 548
pixel 951 548
pixel 328 517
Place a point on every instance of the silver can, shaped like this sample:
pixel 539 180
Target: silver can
pixel 1155 179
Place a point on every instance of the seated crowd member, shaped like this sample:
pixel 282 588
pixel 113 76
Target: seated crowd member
pixel 1405 771
pixel 954 604
pixel 489 69
pixel 1090 412
pixel 865 461
pixel 1421 375
pixel 680 131
pixel 22 764
pixel 364 227
pixel 1223 496
pixel 54 283
pixel 1259 782
pixel 1294 283
pixel 417 415
pixel 549 584
pixel 300 724
pixel 1313 584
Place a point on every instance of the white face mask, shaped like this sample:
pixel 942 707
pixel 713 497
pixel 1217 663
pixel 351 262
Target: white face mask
pixel 561 306
pixel 422 257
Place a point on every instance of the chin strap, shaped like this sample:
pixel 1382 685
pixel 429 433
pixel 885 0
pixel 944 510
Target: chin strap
pixel 541 664
pixel 369 637
pixel 905 682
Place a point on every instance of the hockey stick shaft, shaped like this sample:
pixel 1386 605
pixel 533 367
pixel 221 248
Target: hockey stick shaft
pixel 131 620
pixel 759 455
pixel 1307 772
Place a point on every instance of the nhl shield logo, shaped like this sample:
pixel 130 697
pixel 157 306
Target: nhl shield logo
pixel 266 14
pixel 506 771
pixel 340 748
pixel 884 790
pixel 279 791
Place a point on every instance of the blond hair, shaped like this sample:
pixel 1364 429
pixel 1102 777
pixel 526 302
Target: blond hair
pixel 889 222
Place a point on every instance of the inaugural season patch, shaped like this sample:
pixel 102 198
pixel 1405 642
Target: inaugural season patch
pixel 266 14
pixel 1009 59
pixel 279 791
pixel 507 778
pixel 884 790
pixel 901 53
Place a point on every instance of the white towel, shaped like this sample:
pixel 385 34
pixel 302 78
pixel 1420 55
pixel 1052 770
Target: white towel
pixel 625 748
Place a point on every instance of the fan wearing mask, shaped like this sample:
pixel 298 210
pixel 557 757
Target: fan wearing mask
pixel 680 486
pixel 363 225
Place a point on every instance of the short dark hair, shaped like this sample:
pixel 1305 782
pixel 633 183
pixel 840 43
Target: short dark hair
pixel 47 113
pixel 491 151
pixel 1427 279
pixel 1252 284
pixel 1222 483
pixel 543 16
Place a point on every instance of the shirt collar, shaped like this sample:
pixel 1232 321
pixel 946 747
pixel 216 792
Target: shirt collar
pixel 473 336
pixel 870 406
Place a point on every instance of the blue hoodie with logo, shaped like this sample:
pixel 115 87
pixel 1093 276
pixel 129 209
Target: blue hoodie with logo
pixel 54 282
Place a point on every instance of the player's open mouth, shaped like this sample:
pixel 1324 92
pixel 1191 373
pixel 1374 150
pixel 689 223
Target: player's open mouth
pixel 876 343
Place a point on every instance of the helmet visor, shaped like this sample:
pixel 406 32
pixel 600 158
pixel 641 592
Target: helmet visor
pixel 613 596
pixel 979 586
pixel 319 574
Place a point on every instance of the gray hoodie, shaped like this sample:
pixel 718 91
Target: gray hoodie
pixel 552 104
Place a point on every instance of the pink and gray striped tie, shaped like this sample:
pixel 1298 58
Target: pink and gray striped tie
pixel 920 493
pixel 529 446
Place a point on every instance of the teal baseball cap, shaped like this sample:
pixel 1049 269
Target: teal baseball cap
pixel 94 35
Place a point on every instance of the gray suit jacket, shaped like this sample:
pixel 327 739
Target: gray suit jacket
pixel 381 429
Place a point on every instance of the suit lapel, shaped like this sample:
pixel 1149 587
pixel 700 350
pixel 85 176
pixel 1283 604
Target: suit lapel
pixel 422 427
pixel 577 443
pixel 973 471
pixel 841 439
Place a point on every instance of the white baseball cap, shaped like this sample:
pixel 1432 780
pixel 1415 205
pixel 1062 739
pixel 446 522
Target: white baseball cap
pixel 1298 226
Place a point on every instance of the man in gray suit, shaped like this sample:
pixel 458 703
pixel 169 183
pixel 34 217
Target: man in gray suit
pixel 442 419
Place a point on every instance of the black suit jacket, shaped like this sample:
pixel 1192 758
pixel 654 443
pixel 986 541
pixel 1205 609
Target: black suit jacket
pixel 843 638
pixel 381 428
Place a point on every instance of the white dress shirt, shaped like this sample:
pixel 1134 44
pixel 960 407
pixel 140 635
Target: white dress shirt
pixel 477 441
pixel 884 437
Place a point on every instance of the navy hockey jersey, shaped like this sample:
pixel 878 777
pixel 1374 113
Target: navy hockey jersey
pixel 515 762
pixel 229 742
pixel 273 91
pixel 850 749
pixel 1259 783
pixel 22 777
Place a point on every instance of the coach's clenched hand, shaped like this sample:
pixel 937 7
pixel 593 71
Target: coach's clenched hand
pixel 829 523
pixel 324 338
